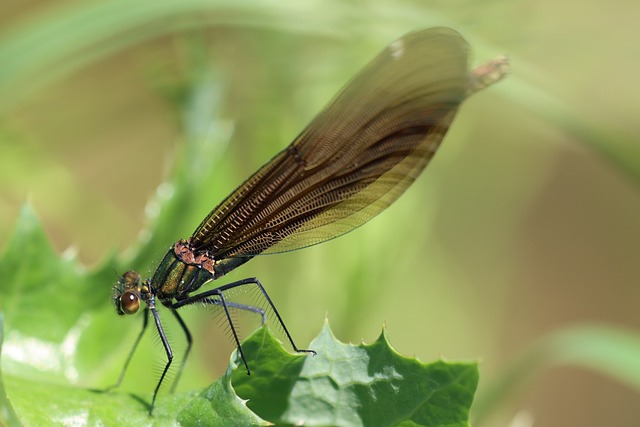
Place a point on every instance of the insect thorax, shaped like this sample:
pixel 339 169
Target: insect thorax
pixel 182 271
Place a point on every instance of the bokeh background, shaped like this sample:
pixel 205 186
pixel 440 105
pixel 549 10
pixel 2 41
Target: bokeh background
pixel 525 226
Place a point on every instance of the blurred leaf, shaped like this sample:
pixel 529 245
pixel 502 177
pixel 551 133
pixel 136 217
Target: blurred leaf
pixel 7 414
pixel 48 304
pixel 205 137
pixel 58 334
pixel 42 403
pixel 580 121
pixel 349 385
pixel 609 350
pixel 53 44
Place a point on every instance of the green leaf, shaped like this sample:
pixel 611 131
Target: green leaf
pixel 41 403
pixel 60 335
pixel 353 385
pixel 7 414
pixel 48 304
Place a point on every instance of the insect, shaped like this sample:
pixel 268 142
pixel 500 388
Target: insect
pixel 354 159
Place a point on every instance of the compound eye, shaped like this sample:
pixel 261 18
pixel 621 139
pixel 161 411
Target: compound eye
pixel 129 303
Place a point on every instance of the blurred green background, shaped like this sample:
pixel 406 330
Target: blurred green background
pixel 525 224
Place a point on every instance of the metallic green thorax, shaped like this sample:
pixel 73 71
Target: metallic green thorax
pixel 180 272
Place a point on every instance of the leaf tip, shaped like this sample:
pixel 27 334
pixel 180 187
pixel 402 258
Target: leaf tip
pixel 326 328
pixel 27 220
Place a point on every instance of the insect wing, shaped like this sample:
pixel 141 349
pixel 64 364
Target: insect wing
pixel 354 159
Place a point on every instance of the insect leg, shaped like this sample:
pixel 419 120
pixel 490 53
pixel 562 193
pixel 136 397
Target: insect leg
pixel 167 349
pixel 203 297
pixel 250 281
pixel 145 318
pixel 186 353
pixel 256 282
pixel 245 307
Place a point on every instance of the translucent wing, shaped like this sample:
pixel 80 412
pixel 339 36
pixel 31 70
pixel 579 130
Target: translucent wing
pixel 354 159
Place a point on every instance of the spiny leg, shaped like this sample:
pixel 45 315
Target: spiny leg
pixel 167 349
pixel 186 353
pixel 233 330
pixel 204 297
pixel 145 318
pixel 245 307
pixel 250 281
pixel 256 282
pixel 250 308
pixel 187 333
